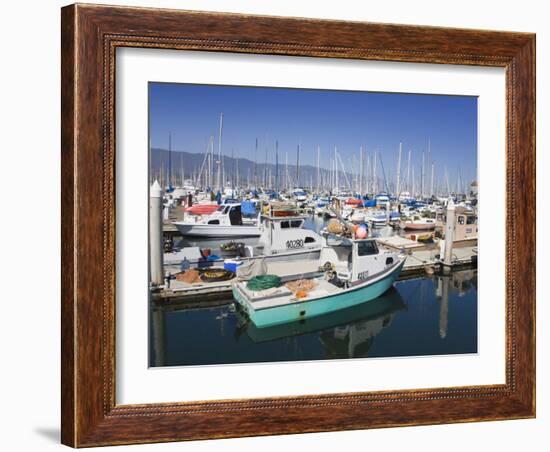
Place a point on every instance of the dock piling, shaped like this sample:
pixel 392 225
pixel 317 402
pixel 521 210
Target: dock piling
pixel 155 235
pixel 449 235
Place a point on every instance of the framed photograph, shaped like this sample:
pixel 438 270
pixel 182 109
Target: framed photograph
pixel 282 225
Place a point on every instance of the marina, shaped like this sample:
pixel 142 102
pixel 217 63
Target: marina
pixel 322 248
pixel 422 258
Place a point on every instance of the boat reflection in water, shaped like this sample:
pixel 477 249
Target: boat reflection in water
pixel 434 315
pixel 361 317
pixel 354 340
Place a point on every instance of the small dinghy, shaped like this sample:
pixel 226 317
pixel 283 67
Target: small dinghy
pixel 418 224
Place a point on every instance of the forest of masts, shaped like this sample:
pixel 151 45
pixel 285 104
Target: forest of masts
pixel 362 173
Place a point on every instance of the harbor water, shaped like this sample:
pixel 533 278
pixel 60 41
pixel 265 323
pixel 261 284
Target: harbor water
pixel 430 315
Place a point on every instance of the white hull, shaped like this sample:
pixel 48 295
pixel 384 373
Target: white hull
pixel 216 230
pixel 420 226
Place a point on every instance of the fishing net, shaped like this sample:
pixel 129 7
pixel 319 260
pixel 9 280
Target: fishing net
pixel 190 276
pixel 301 286
pixel 263 282
pixel 335 227
pixel 231 246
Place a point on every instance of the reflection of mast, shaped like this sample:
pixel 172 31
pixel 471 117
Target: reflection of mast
pixel 158 337
pixel 444 308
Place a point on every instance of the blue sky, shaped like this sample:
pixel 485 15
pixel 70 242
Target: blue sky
pixel 328 118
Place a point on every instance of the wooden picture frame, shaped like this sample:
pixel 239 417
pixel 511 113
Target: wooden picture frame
pixel 90 36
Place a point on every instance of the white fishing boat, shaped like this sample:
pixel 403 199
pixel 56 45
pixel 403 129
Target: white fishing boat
pixel 226 221
pixel 351 325
pixel 282 238
pixel 355 272
pixel 285 239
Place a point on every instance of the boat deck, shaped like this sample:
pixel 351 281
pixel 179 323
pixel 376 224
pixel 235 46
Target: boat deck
pixel 278 296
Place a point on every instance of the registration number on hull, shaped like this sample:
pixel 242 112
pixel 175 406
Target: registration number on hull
pixel 294 244
pixel 363 275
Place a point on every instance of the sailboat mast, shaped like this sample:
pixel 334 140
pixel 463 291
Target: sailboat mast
pixel 318 167
pixel 422 177
pixel 237 165
pixel 219 182
pixel 182 173
pixel 169 159
pixel 254 175
pixel 398 181
pixel 374 179
pixel 336 182
pixel 298 165
pixel 286 170
pixel 447 182
pixel 277 167
pixel 432 182
pixel 361 169
pixel 413 193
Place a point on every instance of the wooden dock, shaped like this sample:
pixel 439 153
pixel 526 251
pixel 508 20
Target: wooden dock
pixel 425 257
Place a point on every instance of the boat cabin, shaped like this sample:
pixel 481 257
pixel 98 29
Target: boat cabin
pixel 465 223
pixel 227 214
pixel 354 260
pixel 283 234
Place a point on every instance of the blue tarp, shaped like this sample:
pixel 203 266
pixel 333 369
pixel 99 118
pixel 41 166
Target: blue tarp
pixel 248 208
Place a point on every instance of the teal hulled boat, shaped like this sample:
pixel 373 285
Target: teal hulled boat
pixel 362 315
pixel 357 271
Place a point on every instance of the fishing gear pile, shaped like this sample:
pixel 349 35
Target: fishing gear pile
pixel 263 282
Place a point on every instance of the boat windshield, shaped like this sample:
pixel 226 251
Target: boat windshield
pixel 291 224
pixel 367 248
